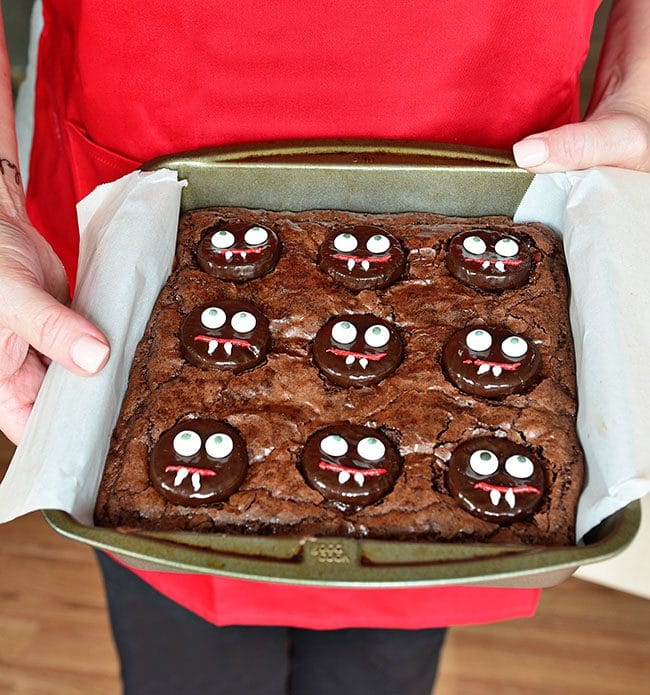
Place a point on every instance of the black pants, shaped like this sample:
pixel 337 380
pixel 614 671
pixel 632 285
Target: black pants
pixel 166 649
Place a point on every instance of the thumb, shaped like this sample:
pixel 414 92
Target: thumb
pixel 56 331
pixel 617 139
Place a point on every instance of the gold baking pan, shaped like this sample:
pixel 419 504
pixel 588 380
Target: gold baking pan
pixel 375 177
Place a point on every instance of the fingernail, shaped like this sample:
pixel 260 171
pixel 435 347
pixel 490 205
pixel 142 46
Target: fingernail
pixel 530 153
pixel 89 353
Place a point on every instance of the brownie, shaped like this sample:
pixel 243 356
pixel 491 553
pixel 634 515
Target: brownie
pixel 417 410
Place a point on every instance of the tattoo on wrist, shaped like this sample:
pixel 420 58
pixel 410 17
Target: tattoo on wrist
pixel 9 168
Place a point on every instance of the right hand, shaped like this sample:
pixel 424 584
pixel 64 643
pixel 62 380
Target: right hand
pixel 35 324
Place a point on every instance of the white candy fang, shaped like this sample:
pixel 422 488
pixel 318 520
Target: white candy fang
pixel 363 362
pixel 351 264
pixel 180 476
pixel 500 266
pixel 212 346
pixel 344 476
pixel 365 265
pixel 496 370
pixel 485 264
pixel 495 497
pixel 243 255
pixel 359 479
pixel 228 255
pixel 483 368
pixel 228 348
pixel 196 482
pixel 510 498
pixel 349 359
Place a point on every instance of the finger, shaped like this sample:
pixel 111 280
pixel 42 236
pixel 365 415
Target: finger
pixel 55 330
pixel 614 140
pixel 17 396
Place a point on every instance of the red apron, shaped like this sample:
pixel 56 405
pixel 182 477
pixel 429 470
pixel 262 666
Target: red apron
pixel 120 83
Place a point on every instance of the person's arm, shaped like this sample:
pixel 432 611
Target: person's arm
pixel 35 325
pixel 616 130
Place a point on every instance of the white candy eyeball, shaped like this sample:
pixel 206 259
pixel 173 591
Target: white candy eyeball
pixel 478 340
pixel 514 346
pixel 519 466
pixel 213 317
pixel 483 462
pixel 344 332
pixel 187 443
pixel 507 247
pixel 474 245
pixel 256 236
pixel 378 243
pixel 243 322
pixel 377 336
pixel 218 446
pixel 371 449
pixel 334 445
pixel 345 242
pixel 223 239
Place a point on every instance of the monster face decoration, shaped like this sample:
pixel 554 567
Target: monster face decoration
pixel 357 350
pixel 489 260
pixel 362 258
pixel 490 362
pixel 495 479
pixel 239 252
pixel 350 465
pixel 198 462
pixel 225 334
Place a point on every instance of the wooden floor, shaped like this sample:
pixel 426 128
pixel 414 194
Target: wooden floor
pixel 55 638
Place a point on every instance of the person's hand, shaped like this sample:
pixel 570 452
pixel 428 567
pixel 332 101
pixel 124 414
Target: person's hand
pixel 611 136
pixel 35 325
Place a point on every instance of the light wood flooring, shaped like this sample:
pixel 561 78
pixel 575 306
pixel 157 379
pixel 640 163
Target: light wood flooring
pixel 55 638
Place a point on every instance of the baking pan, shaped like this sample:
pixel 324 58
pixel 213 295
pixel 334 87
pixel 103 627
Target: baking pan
pixel 375 177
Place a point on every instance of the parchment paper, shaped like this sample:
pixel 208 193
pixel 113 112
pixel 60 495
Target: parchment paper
pixel 128 235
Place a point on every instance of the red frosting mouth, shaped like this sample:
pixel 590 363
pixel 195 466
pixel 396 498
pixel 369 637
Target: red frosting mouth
pixel 365 472
pixel 241 252
pixel 223 341
pixel 493 261
pixel 202 472
pixel 516 489
pixel 359 259
pixel 357 355
pixel 507 366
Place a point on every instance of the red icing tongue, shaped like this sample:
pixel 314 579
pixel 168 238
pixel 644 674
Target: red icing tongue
pixel 257 249
pixel 203 472
pixel 337 468
pixel 486 487
pixel 492 262
pixel 504 365
pixel 234 341
pixel 358 259
pixel 358 355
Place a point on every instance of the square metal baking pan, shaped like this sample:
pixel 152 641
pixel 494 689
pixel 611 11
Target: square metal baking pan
pixel 375 177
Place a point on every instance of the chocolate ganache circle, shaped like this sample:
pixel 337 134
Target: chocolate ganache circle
pixel 362 257
pixel 225 334
pixel 239 251
pixel 489 361
pixel 489 259
pixel 495 479
pixel 198 462
pixel 357 349
pixel 350 465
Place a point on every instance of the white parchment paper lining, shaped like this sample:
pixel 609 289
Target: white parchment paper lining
pixel 128 232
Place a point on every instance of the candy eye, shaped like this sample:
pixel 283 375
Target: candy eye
pixel 378 243
pixel 483 462
pixel 187 443
pixel 474 245
pixel 334 445
pixel 507 247
pixel 345 243
pixel 213 317
pixel 519 466
pixel 218 446
pixel 344 332
pixel 478 340
pixel 256 236
pixel 223 240
pixel 371 449
pixel 377 336
pixel 243 322
pixel 514 346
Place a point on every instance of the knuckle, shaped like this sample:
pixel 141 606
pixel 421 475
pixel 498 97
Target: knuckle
pixel 51 326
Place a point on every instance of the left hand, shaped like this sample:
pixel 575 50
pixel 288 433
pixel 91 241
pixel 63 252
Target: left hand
pixel 611 136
